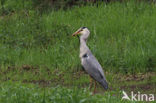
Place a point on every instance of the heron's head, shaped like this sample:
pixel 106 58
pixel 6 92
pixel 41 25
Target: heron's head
pixel 83 32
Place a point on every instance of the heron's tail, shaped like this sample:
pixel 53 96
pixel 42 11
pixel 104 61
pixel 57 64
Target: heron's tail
pixel 104 84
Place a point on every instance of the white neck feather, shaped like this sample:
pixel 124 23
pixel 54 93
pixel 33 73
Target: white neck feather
pixel 83 47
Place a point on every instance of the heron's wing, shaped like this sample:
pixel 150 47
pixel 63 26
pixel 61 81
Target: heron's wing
pixel 91 65
pixel 94 69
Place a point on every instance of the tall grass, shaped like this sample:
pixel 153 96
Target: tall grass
pixel 122 37
pixel 21 93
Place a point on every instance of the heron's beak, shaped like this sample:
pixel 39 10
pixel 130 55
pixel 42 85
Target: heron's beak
pixel 76 33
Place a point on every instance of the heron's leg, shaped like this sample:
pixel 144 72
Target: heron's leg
pixel 94 87
pixel 91 83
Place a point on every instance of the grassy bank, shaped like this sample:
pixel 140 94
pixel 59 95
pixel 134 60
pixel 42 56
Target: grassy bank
pixel 122 37
pixel 41 90
pixel 20 93
pixel 39 59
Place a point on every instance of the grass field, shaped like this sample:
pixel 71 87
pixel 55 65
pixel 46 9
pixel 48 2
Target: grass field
pixel 39 59
pixel 20 93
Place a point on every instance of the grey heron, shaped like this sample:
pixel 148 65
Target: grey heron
pixel 88 60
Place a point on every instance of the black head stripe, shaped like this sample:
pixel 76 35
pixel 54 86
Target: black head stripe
pixel 83 27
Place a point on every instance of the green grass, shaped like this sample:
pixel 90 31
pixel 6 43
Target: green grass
pixel 21 93
pixel 39 59
pixel 17 92
pixel 28 84
pixel 122 37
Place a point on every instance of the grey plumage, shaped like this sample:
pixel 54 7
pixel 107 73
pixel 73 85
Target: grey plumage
pixel 88 61
pixel 93 68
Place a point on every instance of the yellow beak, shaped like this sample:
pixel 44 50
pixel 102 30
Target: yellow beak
pixel 76 33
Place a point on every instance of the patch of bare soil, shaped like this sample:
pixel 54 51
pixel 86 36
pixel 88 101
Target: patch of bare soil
pixel 23 67
pixel 137 82
pixel 28 67
pixel 136 77
pixel 39 82
pixel 145 87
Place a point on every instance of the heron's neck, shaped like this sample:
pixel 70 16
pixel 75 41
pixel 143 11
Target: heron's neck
pixel 83 43
pixel 83 47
